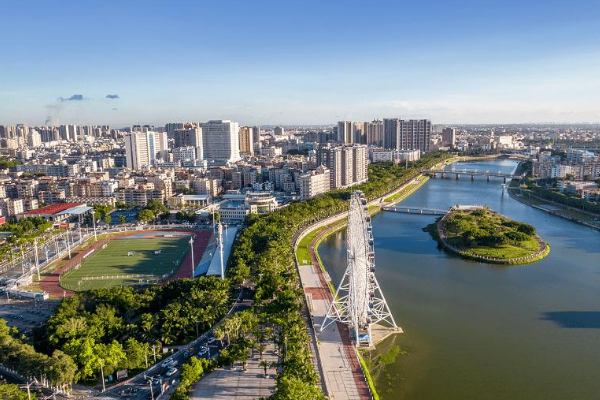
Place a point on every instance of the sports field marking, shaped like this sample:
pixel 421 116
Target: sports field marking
pixel 114 261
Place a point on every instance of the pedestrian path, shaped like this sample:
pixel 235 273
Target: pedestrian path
pixel 234 383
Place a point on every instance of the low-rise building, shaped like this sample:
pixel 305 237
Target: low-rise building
pixel 314 182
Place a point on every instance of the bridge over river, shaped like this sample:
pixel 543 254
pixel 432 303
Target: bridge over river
pixel 415 210
pixel 472 173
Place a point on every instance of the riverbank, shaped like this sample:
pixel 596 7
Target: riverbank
pixel 470 326
pixel 317 286
pixel 480 234
pixel 560 210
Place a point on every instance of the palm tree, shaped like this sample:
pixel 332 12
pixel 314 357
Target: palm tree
pixel 265 364
pixel 261 348
pixel 219 334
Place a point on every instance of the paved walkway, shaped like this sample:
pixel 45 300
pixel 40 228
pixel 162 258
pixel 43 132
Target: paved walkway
pixel 225 383
pixel 341 369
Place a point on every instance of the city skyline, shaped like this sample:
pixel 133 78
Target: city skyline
pixel 272 63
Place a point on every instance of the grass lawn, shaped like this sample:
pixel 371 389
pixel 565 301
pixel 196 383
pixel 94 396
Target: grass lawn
pixel 408 189
pixel 114 260
pixel 302 251
pixel 488 234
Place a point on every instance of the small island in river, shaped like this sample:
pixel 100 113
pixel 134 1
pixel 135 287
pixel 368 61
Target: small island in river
pixel 480 234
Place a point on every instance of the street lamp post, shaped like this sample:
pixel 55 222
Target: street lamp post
pixel 68 243
pixel 192 249
pixel 37 261
pixel 102 372
pixel 154 352
pixel 94 224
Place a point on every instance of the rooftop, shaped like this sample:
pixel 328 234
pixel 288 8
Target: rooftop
pixel 51 209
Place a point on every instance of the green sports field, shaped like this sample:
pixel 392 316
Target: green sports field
pixel 113 266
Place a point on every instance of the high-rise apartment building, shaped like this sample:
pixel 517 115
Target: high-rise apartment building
pixel 360 132
pixel 68 133
pixel 411 134
pixel 391 133
pixel 314 182
pixel 279 131
pixel 375 133
pixel 144 148
pixel 190 137
pixel 34 139
pixel 415 134
pixel 347 164
pixel 246 140
pixel 449 137
pixel 220 139
pixel 345 132
pixel 255 134
pixel 170 128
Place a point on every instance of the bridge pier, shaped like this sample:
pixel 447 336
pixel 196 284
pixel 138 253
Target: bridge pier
pixel 456 176
pixel 488 177
pixel 443 175
pixel 472 177
pixel 505 180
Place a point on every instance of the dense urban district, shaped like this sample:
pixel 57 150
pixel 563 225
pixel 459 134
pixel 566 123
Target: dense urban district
pixel 159 261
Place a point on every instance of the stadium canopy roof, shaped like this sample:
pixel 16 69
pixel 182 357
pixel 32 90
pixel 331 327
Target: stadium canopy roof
pixel 78 210
pixel 52 209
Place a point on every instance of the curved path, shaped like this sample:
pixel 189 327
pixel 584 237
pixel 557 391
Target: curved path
pixel 352 368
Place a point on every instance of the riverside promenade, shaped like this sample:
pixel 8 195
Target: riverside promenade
pixel 337 357
pixel 341 370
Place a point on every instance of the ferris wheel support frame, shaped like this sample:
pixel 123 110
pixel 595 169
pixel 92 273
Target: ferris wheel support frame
pixel 359 301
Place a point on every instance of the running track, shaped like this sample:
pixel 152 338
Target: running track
pixel 50 282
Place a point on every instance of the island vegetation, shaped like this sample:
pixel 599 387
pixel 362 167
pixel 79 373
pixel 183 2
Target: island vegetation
pixel 482 234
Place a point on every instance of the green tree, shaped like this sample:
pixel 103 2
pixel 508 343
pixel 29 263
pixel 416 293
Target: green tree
pixel 296 389
pixel 265 364
pixel 136 353
pixel 107 219
pixel 63 370
pixel 83 351
pixel 12 392
pixel 146 215
pixel 157 207
pixel 219 334
pixel 111 355
pixel 122 219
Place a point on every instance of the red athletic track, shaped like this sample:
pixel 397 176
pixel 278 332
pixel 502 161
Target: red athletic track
pixel 50 283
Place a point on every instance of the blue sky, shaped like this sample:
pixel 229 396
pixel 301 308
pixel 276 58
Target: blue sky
pixel 299 62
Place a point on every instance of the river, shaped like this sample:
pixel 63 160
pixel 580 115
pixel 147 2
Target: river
pixel 479 331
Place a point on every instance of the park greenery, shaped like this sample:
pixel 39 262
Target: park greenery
pixel 154 209
pixel 56 366
pixel 263 253
pixel 191 372
pixel 12 392
pixel 5 163
pixel 23 231
pixel 102 211
pixel 483 232
pixel 118 327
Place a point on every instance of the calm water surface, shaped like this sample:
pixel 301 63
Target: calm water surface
pixel 476 331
